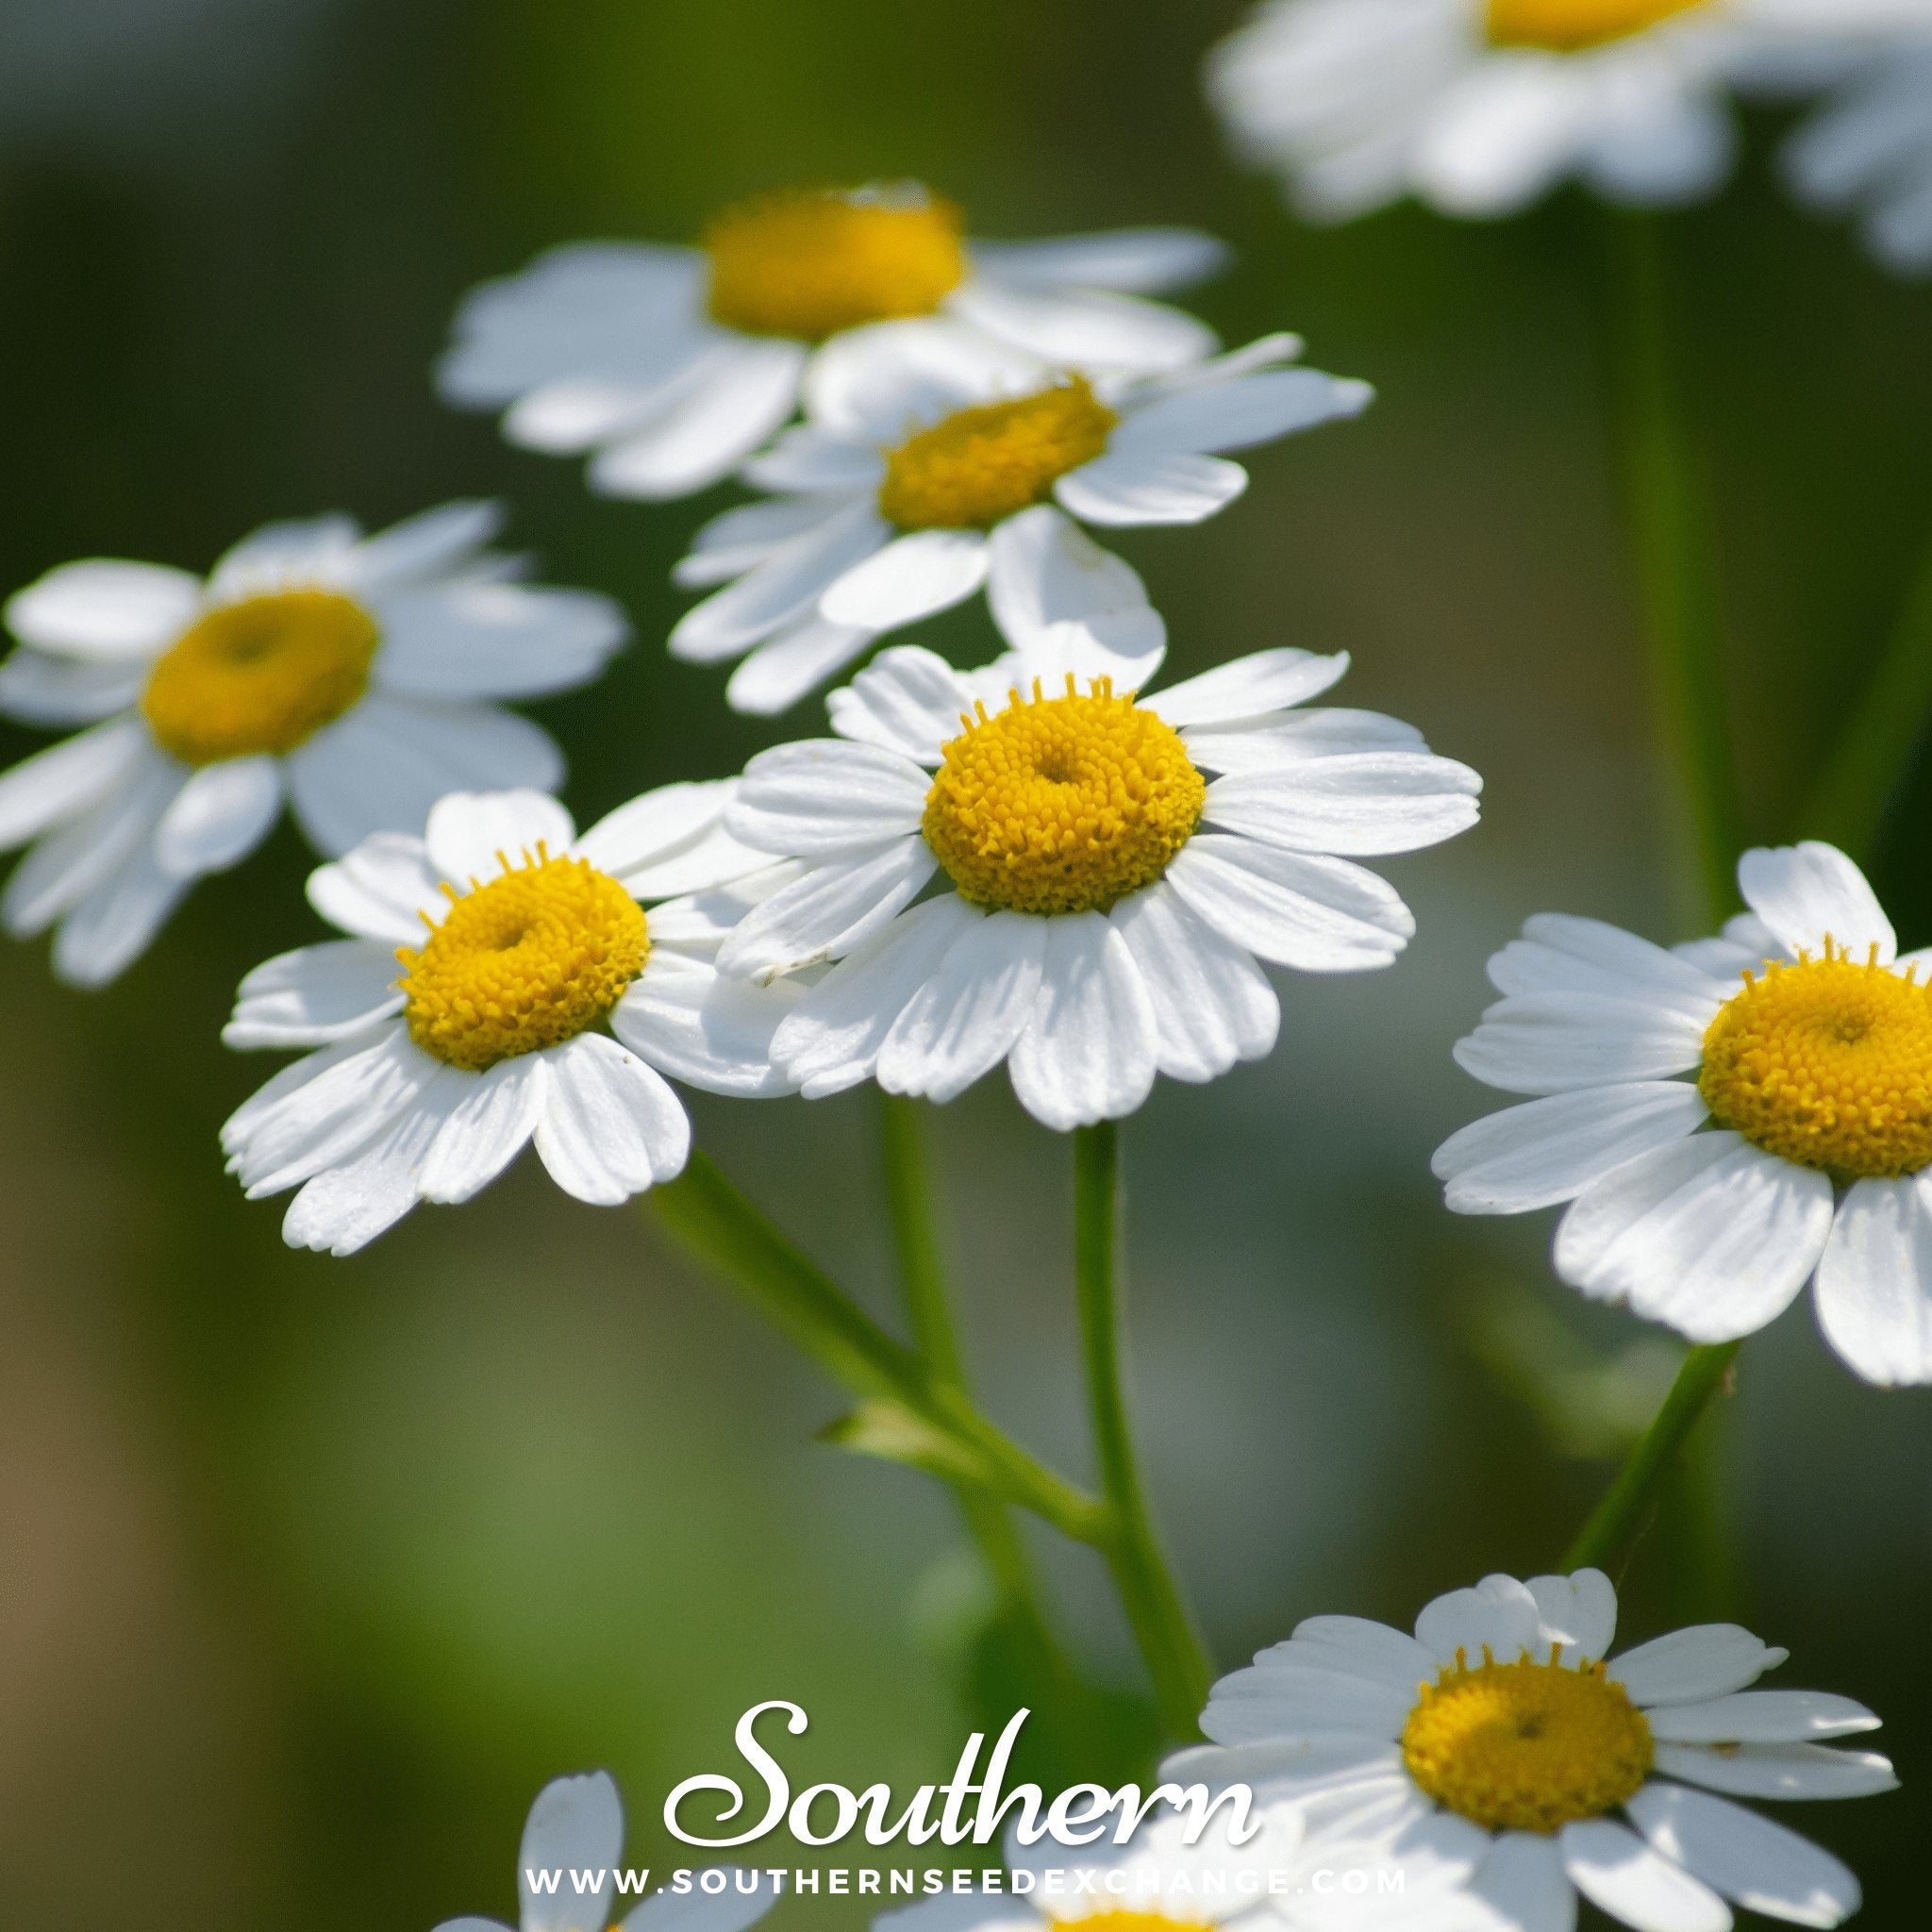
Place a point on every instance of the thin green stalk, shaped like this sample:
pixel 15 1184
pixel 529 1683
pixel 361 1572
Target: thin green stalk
pixel 783 1284
pixel 1182 1670
pixel 1875 745
pixel 1621 1513
pixel 1672 549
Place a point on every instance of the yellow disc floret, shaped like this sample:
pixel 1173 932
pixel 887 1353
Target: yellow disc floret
pixel 1567 25
pixel 808 262
pixel 1062 805
pixel 527 960
pixel 979 465
pixel 260 675
pixel 1527 1746
pixel 1827 1063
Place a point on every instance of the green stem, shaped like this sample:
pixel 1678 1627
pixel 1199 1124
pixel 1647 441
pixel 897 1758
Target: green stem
pixel 1875 745
pixel 1670 544
pixel 1621 1513
pixel 1182 1670
pixel 703 1208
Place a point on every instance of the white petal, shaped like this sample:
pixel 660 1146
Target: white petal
pixel 1294 738
pixel 1580 1612
pixel 1362 806
pixel 1093 330
pixel 831 1039
pixel 1136 487
pixel 1212 1006
pixel 1124 646
pixel 1550 1042
pixel 1786 1772
pixel 773 675
pixel 727 413
pixel 873 386
pixel 105 610
pixel 470 833
pixel 1614 1869
pixel 911 577
pixel 833 909
pixel 1508 132
pixel 654 826
pixel 825 466
pixel 345 1208
pixel 576 1823
pixel 380 891
pixel 1045 570
pixel 1686 1666
pixel 733 1909
pixel 1284 1700
pixel 111 926
pixel 737 540
pixel 1136 261
pixel 688 1021
pixel 431 543
pixel 1707 1235
pixel 1875 1282
pixel 303 551
pixel 494 640
pixel 966 1017
pixel 908 700
pixel 1088 1052
pixel 1320 915
pixel 1807 893
pixel 219 816
pixel 820 797
pixel 1523 1878
pixel 1209 417
pixel 80 855
pixel 67 779
pixel 1560 954
pixel 715 859
pixel 1761 1865
pixel 38 688
pixel 1248 686
pixel 699 922
pixel 380 767
pixel 487 1129
pixel 315 996
pixel 610 1124
pixel 1550 1150
pixel 1762 1717
pixel 1499 1615
pixel 1361 1647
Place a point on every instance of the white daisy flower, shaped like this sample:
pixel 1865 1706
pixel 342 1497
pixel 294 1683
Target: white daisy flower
pixel 933 461
pixel 1728 1120
pixel 1103 899
pixel 570 1876
pixel 673 364
pixel 349 676
pixel 1501 1722
pixel 1480 107
pixel 465 1014
pixel 1869 151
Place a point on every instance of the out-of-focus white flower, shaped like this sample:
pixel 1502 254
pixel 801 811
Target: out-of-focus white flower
pixel 348 676
pixel 673 364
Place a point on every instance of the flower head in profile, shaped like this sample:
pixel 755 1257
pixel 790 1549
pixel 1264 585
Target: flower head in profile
pixel 933 462
pixel 1727 1120
pixel 671 365
pixel 1480 107
pixel 502 983
pixel 351 678
pixel 571 1877
pixel 1541 1766
pixel 1109 869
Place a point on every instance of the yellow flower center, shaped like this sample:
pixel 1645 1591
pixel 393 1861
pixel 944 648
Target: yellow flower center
pixel 1826 1063
pixel 527 960
pixel 260 675
pixel 1527 1746
pixel 982 464
pixel 808 262
pixel 1565 27
pixel 1062 805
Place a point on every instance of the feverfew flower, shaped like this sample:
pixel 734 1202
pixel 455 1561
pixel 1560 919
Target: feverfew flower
pixel 673 364
pixel 1727 1120
pixel 1110 868
pixel 467 1013
pixel 569 1878
pixel 349 676
pixel 1502 1724
pixel 933 461
pixel 1480 107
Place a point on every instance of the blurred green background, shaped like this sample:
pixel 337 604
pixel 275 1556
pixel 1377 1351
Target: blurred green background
pixel 311 1572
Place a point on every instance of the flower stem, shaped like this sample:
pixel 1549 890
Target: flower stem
pixel 1621 1513
pixel 1875 745
pixel 1178 1664
pixel 1671 545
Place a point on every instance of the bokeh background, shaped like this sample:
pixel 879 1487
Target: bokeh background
pixel 311 1572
